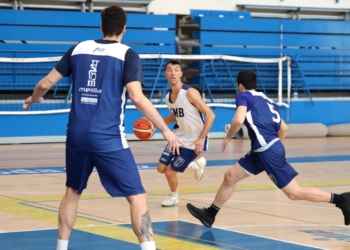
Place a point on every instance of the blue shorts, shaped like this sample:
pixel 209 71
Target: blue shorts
pixel 273 161
pixel 178 162
pixel 117 171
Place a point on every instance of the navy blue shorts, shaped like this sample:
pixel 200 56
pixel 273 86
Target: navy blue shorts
pixel 117 171
pixel 273 161
pixel 178 162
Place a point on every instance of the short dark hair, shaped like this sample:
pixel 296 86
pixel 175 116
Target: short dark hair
pixel 113 20
pixel 174 62
pixel 248 79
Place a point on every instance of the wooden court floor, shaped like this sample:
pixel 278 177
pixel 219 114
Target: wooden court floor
pixel 258 215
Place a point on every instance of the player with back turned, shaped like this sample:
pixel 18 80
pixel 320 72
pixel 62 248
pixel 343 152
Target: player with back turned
pixel 266 129
pixel 104 72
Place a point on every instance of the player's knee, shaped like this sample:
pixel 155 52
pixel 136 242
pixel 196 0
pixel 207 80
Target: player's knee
pixel 169 172
pixel 161 168
pixel 229 178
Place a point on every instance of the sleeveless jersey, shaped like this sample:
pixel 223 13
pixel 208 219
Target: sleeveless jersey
pixel 189 120
pixel 262 120
pixel 100 70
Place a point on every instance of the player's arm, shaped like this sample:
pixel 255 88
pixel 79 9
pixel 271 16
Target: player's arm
pixel 236 124
pixel 43 86
pixel 62 68
pixel 282 132
pixel 170 119
pixel 145 106
pixel 194 97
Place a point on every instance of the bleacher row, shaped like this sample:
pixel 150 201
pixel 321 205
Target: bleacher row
pixel 320 49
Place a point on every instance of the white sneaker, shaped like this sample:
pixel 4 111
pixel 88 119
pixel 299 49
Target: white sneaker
pixel 170 200
pixel 198 168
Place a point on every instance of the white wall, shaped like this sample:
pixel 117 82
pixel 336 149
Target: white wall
pixel 184 6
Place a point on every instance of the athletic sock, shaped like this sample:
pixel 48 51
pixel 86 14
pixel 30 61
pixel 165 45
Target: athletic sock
pixel 336 199
pixel 62 244
pixel 174 193
pixel 148 245
pixel 212 210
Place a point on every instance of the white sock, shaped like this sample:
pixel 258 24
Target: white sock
pixel 62 244
pixel 148 245
pixel 174 193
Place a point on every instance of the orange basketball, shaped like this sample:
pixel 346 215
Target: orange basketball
pixel 144 128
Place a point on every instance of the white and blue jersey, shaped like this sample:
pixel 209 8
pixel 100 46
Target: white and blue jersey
pixel 100 70
pixel 189 120
pixel 188 127
pixel 262 119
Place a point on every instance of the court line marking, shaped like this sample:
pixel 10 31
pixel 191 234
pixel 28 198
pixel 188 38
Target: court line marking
pixel 14 206
pixel 270 238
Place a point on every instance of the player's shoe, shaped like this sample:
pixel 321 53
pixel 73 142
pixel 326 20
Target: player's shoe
pixel 201 214
pixel 170 200
pixel 345 208
pixel 198 167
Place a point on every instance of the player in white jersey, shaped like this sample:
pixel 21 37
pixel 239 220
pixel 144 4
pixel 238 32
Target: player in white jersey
pixel 187 109
pixel 266 129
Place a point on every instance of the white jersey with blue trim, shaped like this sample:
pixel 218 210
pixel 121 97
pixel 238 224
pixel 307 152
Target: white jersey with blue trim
pixel 189 120
pixel 100 70
pixel 262 119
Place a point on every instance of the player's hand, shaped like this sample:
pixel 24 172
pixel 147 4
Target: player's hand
pixel 198 145
pixel 173 142
pixel 30 101
pixel 224 143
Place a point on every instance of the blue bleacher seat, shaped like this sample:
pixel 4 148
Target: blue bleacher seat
pixel 33 33
pixel 319 49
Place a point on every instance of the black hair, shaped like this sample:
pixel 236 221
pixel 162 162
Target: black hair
pixel 248 79
pixel 113 21
pixel 174 62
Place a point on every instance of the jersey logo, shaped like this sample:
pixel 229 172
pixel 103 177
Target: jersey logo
pixel 178 162
pixel 178 112
pixel 98 49
pixel 92 73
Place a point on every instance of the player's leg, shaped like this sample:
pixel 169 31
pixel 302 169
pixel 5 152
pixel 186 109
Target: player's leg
pixel 140 218
pixel 164 167
pixel 207 215
pixel 120 178
pixel 67 213
pixel 283 175
pixel 172 198
pixel 342 201
pixel 78 170
pixel 296 192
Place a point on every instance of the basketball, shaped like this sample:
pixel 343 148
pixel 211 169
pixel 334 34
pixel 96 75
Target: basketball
pixel 143 128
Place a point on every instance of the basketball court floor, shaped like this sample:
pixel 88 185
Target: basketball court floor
pixel 258 215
